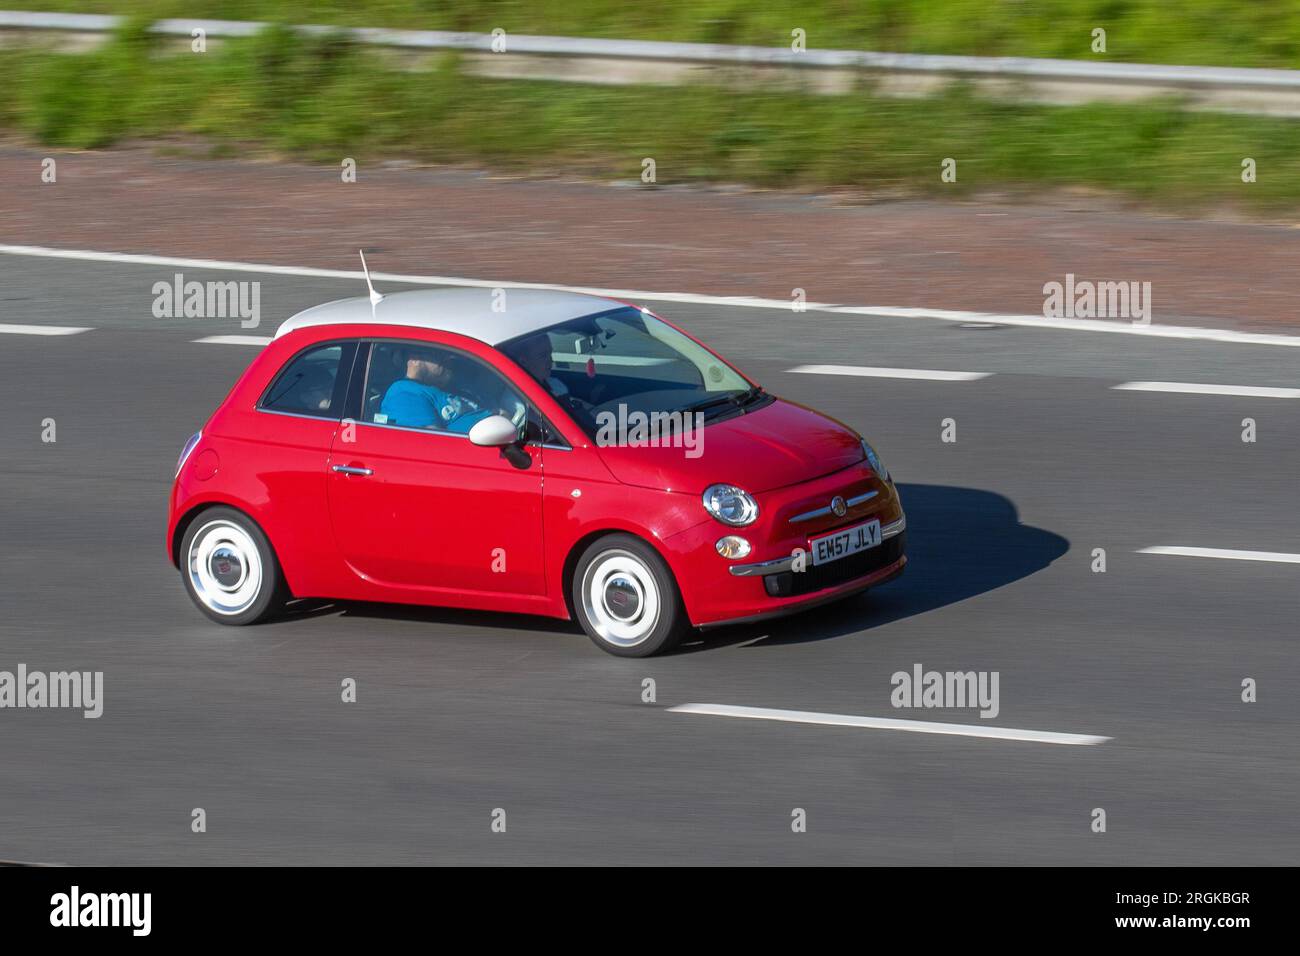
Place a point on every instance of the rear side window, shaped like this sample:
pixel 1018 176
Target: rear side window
pixel 313 382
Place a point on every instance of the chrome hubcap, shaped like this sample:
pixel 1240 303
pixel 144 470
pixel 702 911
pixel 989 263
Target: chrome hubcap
pixel 620 598
pixel 225 567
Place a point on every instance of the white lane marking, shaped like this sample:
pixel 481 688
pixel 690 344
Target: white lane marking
pixel 1224 336
pixel 1227 554
pixel 41 329
pixel 889 723
pixel 1193 388
pixel 930 374
pixel 235 340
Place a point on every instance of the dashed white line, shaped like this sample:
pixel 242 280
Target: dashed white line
pixel 41 329
pixel 889 723
pixel 1226 554
pixel 865 371
pixel 1226 336
pixel 235 340
pixel 1194 388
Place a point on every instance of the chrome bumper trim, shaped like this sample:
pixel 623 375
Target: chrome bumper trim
pixel 777 565
pixel 762 567
pixel 821 512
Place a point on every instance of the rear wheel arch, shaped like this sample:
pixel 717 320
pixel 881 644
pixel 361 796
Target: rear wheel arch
pixel 193 514
pixel 183 525
pixel 229 568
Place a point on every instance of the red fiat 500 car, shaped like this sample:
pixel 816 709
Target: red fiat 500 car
pixel 542 452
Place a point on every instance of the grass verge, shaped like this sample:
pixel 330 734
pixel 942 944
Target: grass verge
pixel 324 98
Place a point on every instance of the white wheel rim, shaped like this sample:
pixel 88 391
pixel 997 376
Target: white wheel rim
pixel 621 598
pixel 225 567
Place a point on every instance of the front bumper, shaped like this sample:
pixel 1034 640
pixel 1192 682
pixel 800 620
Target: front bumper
pixel 828 596
pixel 716 591
pixel 777 565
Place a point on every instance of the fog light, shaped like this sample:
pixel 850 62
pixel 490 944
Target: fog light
pixel 732 546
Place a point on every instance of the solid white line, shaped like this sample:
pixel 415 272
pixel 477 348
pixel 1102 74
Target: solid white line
pixel 888 723
pixel 41 330
pixel 1224 336
pixel 1192 388
pixel 235 340
pixel 933 375
pixel 1227 554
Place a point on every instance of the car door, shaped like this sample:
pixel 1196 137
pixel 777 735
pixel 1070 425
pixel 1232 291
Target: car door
pixel 419 507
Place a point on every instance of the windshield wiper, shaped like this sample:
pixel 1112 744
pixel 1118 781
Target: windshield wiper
pixel 709 403
pixel 739 401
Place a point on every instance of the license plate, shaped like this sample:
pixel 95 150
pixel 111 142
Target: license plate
pixel 841 544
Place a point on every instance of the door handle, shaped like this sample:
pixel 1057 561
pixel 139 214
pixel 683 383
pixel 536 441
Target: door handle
pixel 350 470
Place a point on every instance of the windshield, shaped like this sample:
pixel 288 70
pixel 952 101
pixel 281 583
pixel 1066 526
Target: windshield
pixel 627 361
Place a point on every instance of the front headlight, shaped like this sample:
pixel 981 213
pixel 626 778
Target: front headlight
pixel 874 461
pixel 730 505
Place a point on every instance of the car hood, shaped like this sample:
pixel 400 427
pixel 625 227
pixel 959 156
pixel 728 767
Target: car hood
pixel 778 445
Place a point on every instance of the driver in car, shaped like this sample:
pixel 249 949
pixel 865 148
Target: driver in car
pixel 423 398
pixel 534 354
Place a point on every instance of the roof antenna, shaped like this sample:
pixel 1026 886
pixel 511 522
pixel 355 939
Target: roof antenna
pixel 375 297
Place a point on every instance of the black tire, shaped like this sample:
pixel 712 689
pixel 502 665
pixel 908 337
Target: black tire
pixel 227 540
pixel 639 610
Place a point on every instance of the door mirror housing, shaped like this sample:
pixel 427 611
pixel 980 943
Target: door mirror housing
pixel 495 431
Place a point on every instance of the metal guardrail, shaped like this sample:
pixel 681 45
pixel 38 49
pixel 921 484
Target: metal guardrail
pixel 1223 88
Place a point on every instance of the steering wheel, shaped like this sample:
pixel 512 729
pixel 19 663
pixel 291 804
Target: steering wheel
pixel 581 404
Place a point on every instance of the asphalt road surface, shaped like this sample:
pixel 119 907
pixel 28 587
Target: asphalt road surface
pixel 460 714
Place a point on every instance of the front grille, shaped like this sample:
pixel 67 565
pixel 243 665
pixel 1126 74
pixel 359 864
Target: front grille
pixel 805 517
pixel 815 578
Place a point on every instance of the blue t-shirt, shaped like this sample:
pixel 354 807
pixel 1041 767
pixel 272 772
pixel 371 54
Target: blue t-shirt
pixel 416 405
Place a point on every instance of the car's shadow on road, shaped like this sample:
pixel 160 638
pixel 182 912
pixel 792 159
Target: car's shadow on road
pixel 961 542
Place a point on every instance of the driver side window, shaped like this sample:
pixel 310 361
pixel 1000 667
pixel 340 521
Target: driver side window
pixel 420 385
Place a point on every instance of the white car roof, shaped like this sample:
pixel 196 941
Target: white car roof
pixel 466 312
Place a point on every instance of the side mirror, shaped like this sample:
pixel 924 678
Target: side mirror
pixel 495 431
